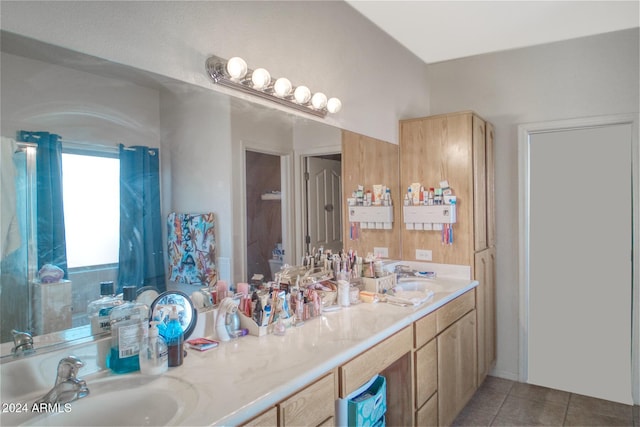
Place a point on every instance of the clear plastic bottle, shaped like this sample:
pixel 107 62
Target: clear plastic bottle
pixel 174 336
pixel 154 354
pixel 100 309
pixel 129 327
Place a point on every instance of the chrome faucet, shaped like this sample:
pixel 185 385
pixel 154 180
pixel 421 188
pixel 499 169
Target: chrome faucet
pixel 68 387
pixel 22 342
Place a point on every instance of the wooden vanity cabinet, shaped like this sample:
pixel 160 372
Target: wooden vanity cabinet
pixel 390 358
pixel 445 369
pixel 457 367
pixel 314 405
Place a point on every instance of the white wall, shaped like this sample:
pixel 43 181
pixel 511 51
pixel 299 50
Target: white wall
pixel 584 77
pixel 196 135
pixel 80 106
pixel 326 45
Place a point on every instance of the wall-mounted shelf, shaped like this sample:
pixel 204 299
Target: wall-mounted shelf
pixel 372 217
pixel 428 217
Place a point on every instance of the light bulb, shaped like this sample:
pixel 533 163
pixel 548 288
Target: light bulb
pixel 282 87
pixel 236 67
pixel 319 100
pixel 260 78
pixel 302 94
pixel 334 105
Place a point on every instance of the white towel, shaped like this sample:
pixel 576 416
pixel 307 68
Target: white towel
pixel 10 239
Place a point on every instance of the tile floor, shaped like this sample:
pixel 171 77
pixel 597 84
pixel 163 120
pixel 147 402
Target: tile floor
pixel 500 402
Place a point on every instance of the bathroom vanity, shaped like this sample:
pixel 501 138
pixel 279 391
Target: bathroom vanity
pixel 428 355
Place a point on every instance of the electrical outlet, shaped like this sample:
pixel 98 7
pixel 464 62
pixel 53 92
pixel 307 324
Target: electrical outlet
pixel 423 255
pixel 381 252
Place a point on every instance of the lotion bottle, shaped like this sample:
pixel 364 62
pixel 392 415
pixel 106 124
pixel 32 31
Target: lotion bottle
pixel 174 335
pixel 154 353
pixel 129 327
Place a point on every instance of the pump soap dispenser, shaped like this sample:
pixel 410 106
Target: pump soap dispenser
pixel 154 354
pixel 174 335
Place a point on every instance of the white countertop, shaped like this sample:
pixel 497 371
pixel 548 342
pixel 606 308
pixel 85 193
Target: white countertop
pixel 242 378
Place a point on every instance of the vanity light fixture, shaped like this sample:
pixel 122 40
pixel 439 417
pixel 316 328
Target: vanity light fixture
pixel 234 73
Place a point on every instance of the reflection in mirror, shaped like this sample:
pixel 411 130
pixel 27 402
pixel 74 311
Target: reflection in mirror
pixel 162 306
pixel 99 109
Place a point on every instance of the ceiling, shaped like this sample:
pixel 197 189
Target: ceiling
pixel 438 31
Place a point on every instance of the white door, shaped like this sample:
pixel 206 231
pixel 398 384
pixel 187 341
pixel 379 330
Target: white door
pixel 580 268
pixel 324 184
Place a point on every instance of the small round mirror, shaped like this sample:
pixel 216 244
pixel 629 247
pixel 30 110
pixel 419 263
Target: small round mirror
pixel 187 315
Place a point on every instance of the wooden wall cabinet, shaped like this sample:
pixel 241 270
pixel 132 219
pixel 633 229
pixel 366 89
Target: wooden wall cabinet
pixel 459 148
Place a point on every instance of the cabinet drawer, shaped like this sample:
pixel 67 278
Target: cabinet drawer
pixel 427 416
pixel 424 329
pixel 361 369
pixel 453 310
pixel 311 406
pixel 268 418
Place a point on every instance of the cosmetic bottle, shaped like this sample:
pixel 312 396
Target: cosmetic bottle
pixel 174 336
pixel 154 354
pixel 129 326
pixel 100 309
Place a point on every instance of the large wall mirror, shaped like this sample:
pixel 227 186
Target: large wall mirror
pixel 201 138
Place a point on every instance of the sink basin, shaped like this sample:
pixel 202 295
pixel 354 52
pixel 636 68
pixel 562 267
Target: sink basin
pixel 420 284
pixel 131 400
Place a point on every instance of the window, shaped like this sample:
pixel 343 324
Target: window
pixel 91 197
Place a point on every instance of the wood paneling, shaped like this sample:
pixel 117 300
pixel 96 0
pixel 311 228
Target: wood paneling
pixel 368 161
pixel 434 149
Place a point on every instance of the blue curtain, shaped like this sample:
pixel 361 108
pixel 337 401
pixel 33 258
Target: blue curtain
pixel 141 251
pixel 52 246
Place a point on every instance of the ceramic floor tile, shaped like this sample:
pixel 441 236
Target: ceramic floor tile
pixel 487 400
pixel 518 411
pixel 538 393
pixel 473 417
pixel 591 405
pixel 580 417
pixel 500 385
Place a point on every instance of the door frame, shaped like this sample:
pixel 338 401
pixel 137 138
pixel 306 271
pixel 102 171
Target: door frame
pixel 300 193
pixel 524 133
pixel 286 189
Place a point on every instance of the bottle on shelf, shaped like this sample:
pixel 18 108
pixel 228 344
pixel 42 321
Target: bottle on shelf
pixel 129 327
pixel 100 309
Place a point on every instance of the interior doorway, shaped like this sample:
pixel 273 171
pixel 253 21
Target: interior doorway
pixel 264 213
pixel 577 284
pixel 323 202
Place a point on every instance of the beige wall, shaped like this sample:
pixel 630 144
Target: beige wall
pixel 579 78
pixel 326 45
